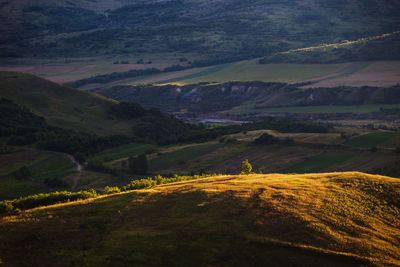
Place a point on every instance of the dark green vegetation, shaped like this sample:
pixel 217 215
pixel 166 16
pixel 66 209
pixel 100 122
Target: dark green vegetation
pixel 212 32
pixel 22 128
pixel 23 203
pixel 204 98
pixel 124 152
pixel 274 220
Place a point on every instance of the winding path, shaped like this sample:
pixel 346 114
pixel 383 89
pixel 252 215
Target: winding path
pixel 78 168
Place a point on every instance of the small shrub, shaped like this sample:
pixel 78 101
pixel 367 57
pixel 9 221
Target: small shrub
pixel 246 167
pixel 6 207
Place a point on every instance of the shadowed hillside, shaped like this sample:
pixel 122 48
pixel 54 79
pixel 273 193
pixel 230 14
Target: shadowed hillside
pixel 207 31
pixel 332 219
pixel 60 106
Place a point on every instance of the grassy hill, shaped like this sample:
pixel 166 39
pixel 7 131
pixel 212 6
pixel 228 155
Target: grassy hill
pixel 331 219
pixel 61 106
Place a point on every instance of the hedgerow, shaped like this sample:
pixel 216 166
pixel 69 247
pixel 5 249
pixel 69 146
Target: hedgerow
pixel 38 200
pixel 33 201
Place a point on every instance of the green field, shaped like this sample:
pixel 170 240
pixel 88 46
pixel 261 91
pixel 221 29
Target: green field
pixel 197 75
pixel 41 165
pixel 12 188
pixel 169 160
pixel 53 166
pixel 319 163
pixel 249 107
pixel 372 139
pixel 123 152
pixel 221 157
pixel 248 70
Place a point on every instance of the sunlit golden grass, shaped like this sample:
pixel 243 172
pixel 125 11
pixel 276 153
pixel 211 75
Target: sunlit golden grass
pixel 328 219
pixel 342 44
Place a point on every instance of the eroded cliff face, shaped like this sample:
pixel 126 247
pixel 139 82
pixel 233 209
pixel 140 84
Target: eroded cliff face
pixel 205 98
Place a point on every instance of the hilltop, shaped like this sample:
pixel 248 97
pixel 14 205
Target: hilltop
pixel 330 219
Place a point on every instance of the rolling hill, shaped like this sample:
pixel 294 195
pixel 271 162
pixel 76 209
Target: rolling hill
pixel 59 105
pixel 330 219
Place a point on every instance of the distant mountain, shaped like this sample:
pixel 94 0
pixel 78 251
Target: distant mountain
pixel 209 32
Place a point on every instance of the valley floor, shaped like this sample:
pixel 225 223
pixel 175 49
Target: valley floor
pixel 371 73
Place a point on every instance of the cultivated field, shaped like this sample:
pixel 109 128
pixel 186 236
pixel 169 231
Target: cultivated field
pixel 310 152
pixel 381 73
pixel 60 71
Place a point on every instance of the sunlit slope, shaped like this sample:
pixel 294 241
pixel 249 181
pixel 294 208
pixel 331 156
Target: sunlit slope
pixel 61 106
pixel 332 219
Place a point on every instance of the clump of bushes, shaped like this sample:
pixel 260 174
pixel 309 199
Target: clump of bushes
pixel 111 190
pixel 268 139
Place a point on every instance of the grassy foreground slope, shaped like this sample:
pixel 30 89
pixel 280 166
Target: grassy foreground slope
pixel 61 106
pixel 331 219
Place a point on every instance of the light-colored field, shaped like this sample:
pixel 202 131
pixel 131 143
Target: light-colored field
pixel 81 68
pixel 248 70
pixel 329 219
pixel 382 73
